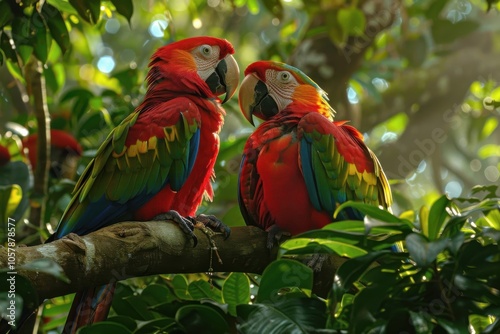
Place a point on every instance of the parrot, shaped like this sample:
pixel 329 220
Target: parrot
pixel 300 164
pixel 65 149
pixel 158 162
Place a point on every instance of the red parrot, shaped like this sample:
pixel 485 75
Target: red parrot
pixel 299 165
pixel 64 148
pixel 159 161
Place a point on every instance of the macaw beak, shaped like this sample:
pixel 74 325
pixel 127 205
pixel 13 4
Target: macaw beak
pixel 225 78
pixel 254 99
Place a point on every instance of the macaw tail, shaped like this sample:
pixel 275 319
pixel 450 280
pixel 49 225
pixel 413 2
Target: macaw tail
pixel 89 306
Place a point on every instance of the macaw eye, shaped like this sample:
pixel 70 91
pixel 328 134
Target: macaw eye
pixel 284 76
pixel 206 50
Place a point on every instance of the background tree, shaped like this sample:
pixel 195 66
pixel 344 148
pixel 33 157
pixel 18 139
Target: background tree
pixel 419 79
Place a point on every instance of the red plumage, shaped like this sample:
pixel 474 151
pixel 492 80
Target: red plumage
pixel 160 159
pixel 187 199
pixel 299 165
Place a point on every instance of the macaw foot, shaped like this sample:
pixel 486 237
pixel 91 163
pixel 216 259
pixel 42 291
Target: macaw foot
pixel 211 226
pixel 214 223
pixel 186 224
pixel 275 233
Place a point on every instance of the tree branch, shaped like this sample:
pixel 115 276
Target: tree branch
pixel 133 249
pixel 36 85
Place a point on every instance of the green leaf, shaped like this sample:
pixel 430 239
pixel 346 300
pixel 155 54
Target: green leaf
pixel 10 197
pixel 297 246
pixel 89 10
pixel 82 98
pixel 180 286
pixel 15 70
pixel 292 315
pixel 333 28
pixel 54 76
pixel 201 289
pixel 57 26
pixel 491 190
pixel 424 252
pixel 444 31
pixel 5 14
pixel 56 310
pixel 437 216
pixel 415 49
pixel 366 306
pixel 104 327
pixel 7 47
pixel 128 78
pixel 201 319
pixel 162 325
pixel 493 218
pixel 155 294
pixel 490 125
pixel 370 210
pixel 21 34
pixel 351 270
pixel 236 291
pixel 123 320
pixel 275 7
pixel 281 274
pixel 435 8
pixel 352 20
pixel 41 40
pixel 127 303
pixel 124 7
pixel 47 266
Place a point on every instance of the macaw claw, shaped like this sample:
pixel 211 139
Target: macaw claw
pixel 275 234
pixel 214 223
pixel 186 224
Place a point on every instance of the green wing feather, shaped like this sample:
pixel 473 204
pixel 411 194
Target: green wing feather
pixel 337 166
pixel 139 157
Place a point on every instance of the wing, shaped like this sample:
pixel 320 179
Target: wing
pixel 337 166
pixel 149 150
pixel 250 187
pixel 251 194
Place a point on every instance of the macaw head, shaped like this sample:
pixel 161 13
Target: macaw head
pixel 202 65
pixel 270 87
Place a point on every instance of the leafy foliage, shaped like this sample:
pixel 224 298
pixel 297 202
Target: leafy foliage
pixel 447 283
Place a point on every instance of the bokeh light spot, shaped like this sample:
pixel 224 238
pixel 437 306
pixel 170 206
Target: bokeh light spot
pixel 491 173
pixel 453 188
pixel 106 64
pixel 352 95
pixel 157 28
pixel 475 165
pixel 197 24
pixel 112 26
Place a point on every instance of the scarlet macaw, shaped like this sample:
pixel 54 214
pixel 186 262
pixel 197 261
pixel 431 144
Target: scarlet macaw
pixel 64 149
pixel 159 161
pixel 299 165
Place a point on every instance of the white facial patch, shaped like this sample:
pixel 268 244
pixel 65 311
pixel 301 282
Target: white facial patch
pixel 206 58
pixel 281 85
